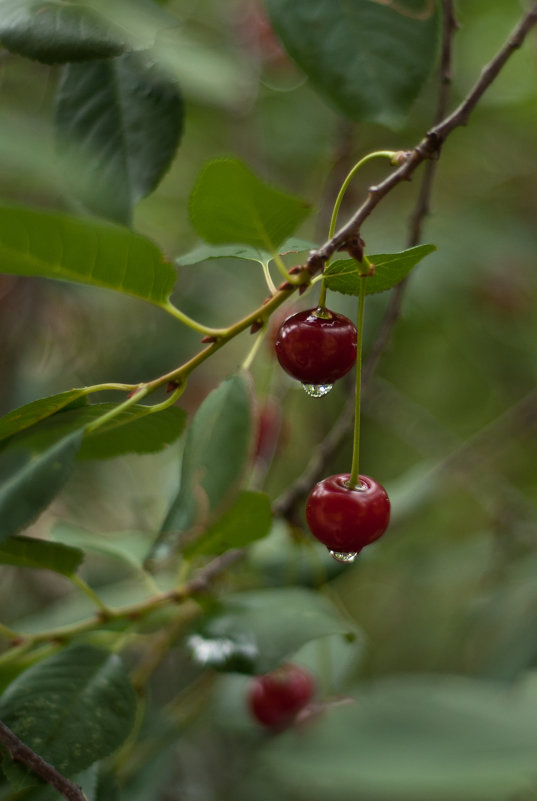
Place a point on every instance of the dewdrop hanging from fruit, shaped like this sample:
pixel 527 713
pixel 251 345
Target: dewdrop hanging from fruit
pixel 317 347
pixel 346 511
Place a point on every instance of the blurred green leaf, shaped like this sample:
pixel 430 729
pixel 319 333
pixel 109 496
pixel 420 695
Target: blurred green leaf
pixel 31 482
pixel 420 737
pixel 107 788
pixel 230 204
pixel 254 632
pixel 134 430
pixel 247 520
pixel 217 447
pixel 369 59
pixel 31 552
pixel 73 708
pixel 45 245
pixel 59 32
pixel 129 547
pixel 31 413
pixel 205 252
pixel 122 118
pixel 390 268
pixel 208 74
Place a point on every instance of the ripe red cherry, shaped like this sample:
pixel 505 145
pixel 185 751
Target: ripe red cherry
pixel 346 519
pixel 276 698
pixel 316 346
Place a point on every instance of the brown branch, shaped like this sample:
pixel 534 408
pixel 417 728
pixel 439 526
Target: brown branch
pixel 20 752
pixel 428 148
pixel 204 578
pixel 430 145
pixel 422 206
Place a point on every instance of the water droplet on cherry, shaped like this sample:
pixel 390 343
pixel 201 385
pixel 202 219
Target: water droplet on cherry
pixel 317 390
pixel 345 558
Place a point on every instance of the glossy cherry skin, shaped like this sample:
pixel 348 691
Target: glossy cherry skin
pixel 316 350
pixel 345 519
pixel 276 698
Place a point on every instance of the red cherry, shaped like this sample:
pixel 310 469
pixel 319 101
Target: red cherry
pixel 316 346
pixel 276 698
pixel 345 519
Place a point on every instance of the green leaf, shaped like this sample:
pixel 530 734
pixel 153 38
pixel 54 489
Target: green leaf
pixel 121 120
pixel 129 547
pixel 31 552
pixel 48 245
pixel 247 520
pixel 31 413
pixel 368 58
pixel 204 252
pixel 217 448
pixel 58 32
pixel 31 482
pixel 230 204
pixel 73 708
pixel 254 632
pixel 390 268
pixel 134 430
pixel 415 737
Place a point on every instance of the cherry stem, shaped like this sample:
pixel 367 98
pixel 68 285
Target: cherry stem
pixel 354 478
pixel 385 154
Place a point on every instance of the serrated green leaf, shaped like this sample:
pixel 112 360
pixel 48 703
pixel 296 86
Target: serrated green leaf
pixel 47 245
pixel 134 430
pixel 230 204
pixel 247 520
pixel 32 413
pixel 254 632
pixel 343 275
pixel 440 737
pixel 370 59
pixel 31 552
pixel 73 708
pixel 31 482
pixel 58 32
pixel 204 252
pixel 217 447
pixel 121 119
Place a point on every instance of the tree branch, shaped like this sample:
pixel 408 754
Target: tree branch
pixel 428 148
pixel 20 752
pixel 430 145
pixel 422 206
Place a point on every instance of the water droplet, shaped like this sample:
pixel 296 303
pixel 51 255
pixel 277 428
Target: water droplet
pixel 317 390
pixel 346 558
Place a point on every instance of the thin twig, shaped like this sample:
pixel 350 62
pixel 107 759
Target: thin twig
pixel 422 206
pixel 428 148
pixel 430 145
pixel 20 752
pixel 199 584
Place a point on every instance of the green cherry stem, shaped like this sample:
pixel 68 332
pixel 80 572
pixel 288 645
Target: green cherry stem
pixel 193 324
pixel 252 353
pixel 354 480
pixel 268 278
pixel 377 154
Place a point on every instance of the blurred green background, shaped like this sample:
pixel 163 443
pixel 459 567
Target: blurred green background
pixel 450 418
